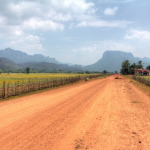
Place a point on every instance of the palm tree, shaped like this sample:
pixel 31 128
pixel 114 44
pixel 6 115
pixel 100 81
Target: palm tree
pixel 139 65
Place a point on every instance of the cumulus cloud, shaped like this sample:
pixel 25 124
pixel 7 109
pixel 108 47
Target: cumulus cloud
pixel 19 19
pixel 142 35
pixel 24 9
pixel 52 15
pixel 110 11
pixel 102 23
pixel 22 21
pixel 76 6
pixel 46 15
pixel 28 43
pixel 36 23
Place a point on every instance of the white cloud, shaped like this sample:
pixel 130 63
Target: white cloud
pixel 36 23
pixel 20 16
pixel 51 12
pixel 74 6
pixel 19 19
pixel 11 32
pixel 110 11
pixel 142 35
pixel 48 8
pixel 102 23
pixel 115 1
pixel 2 20
pixel 28 43
pixel 53 15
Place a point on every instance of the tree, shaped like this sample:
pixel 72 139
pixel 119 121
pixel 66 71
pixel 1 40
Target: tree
pixel 87 72
pixel 148 67
pixel 27 70
pixel 116 72
pixel 139 65
pixel 132 68
pixel 125 67
pixel 105 72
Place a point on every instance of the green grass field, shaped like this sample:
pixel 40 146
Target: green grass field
pixel 22 78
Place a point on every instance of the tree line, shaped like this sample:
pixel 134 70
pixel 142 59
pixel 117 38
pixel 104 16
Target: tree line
pixel 128 68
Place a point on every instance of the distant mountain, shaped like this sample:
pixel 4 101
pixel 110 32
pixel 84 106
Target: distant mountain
pixel 50 67
pixel 21 57
pixel 16 61
pixel 7 65
pixel 112 60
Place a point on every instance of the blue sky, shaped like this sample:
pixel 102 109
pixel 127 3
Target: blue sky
pixel 75 31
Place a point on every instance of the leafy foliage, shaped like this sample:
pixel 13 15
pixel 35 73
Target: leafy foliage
pixel 128 68
pixel 139 65
pixel 132 68
pixel 125 67
pixel 148 67
pixel 105 72
pixel 27 70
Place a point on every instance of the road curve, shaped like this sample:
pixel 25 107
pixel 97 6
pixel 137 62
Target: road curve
pixel 101 114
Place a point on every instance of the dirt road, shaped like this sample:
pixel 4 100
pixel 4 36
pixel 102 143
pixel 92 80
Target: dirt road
pixel 102 114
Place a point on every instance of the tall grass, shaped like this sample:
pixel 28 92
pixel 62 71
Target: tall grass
pixel 143 79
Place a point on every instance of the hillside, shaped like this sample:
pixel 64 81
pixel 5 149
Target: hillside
pixel 13 60
pixel 7 65
pixel 21 57
pixel 112 60
pixel 50 67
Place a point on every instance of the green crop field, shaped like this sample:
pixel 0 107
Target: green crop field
pixel 146 77
pixel 22 78
pixel 18 83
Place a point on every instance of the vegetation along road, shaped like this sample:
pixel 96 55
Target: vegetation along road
pixel 101 114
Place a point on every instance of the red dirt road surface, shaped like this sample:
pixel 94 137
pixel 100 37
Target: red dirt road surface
pixel 101 114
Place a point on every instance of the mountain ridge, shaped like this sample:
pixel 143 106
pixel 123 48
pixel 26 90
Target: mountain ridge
pixel 22 57
pixel 112 60
pixel 8 66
